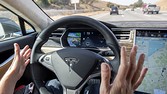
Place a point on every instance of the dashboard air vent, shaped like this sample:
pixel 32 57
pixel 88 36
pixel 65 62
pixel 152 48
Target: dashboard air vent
pixel 121 34
pixel 56 35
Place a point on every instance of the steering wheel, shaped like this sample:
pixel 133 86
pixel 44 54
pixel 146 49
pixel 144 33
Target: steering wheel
pixel 72 66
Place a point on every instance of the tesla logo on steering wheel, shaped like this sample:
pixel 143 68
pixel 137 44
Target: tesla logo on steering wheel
pixel 71 61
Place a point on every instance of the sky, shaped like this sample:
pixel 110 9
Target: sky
pixel 128 2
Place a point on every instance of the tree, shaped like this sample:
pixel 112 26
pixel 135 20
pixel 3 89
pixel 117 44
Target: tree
pixel 139 3
pixel 110 4
pixel 52 1
pixel 43 3
pixel 65 2
pixel 90 2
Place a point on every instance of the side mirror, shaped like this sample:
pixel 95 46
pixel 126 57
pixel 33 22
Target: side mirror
pixel 9 28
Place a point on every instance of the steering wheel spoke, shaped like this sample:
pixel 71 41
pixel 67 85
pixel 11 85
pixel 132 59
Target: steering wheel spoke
pixel 46 60
pixel 70 91
pixel 79 89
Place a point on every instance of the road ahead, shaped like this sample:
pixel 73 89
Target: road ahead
pixel 128 15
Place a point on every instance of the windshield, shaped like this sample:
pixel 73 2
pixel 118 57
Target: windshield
pixel 105 10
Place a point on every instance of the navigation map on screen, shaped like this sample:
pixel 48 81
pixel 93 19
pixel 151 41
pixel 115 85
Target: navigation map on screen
pixel 74 39
pixel 154 45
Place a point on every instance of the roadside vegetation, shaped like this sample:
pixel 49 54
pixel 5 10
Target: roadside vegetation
pixel 66 4
pixel 66 8
pixel 139 3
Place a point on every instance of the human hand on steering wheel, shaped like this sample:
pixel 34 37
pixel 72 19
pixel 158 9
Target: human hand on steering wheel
pixel 130 74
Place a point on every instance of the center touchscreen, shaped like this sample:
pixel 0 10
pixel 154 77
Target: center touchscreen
pixel 154 45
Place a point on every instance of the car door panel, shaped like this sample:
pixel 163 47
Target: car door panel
pixel 7 50
pixel 5 65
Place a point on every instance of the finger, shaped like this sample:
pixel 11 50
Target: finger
pixel 17 50
pixel 124 66
pixel 16 54
pixel 27 54
pixel 24 50
pixel 105 78
pixel 27 62
pixel 132 66
pixel 139 69
pixel 142 75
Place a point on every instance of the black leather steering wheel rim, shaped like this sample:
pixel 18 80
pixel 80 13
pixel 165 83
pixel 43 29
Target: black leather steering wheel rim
pixel 111 41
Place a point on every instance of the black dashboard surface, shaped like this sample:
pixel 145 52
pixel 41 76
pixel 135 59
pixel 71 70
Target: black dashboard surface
pixel 65 36
pixel 137 24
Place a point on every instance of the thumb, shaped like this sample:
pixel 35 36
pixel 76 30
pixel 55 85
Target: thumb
pixel 105 78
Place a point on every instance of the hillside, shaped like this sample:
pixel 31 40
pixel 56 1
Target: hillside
pixel 99 5
pixel 162 4
pixel 103 5
pixel 95 6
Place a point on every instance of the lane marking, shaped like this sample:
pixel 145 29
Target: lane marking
pixel 98 16
pixel 147 15
pixel 163 14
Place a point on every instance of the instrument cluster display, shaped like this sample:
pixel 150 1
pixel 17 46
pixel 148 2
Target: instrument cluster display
pixel 85 39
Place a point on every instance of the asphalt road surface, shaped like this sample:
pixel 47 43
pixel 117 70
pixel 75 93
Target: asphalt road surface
pixel 128 15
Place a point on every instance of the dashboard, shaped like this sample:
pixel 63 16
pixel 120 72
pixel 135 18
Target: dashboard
pixel 150 37
pixel 83 38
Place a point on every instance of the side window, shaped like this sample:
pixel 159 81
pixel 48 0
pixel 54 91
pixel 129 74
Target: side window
pixel 11 26
pixel 28 28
